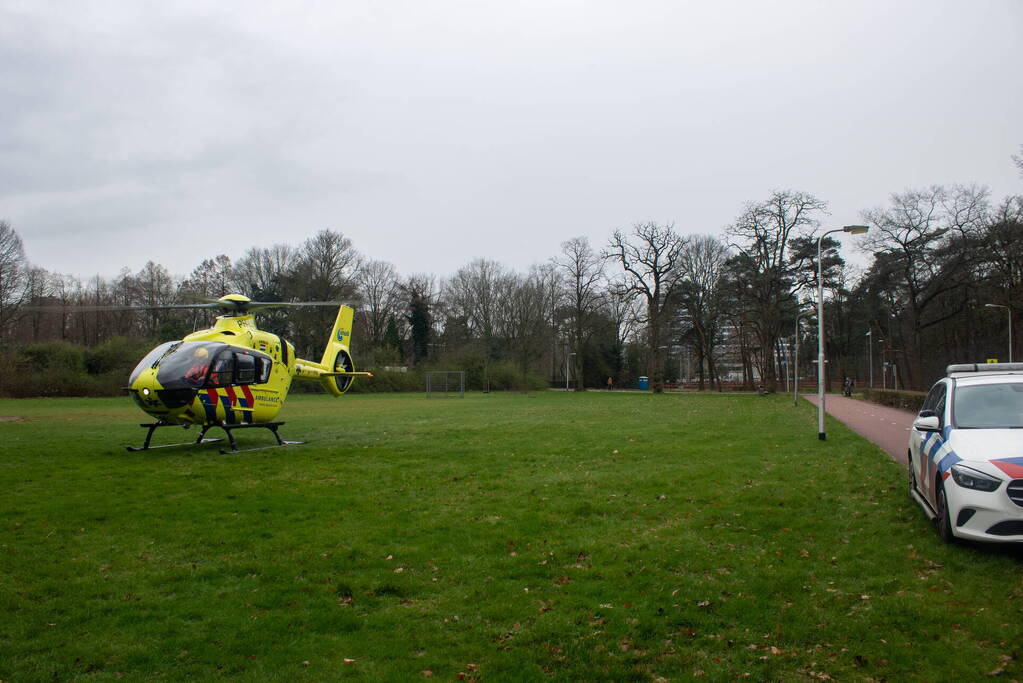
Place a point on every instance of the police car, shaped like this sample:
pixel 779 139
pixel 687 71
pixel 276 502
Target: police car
pixel 966 453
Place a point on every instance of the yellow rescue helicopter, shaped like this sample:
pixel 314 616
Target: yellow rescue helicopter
pixel 234 375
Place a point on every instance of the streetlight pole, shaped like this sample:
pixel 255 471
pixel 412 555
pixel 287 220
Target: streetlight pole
pixel 884 370
pixel 568 360
pixel 853 230
pixel 870 356
pixel 795 362
pixel 785 362
pixel 1009 311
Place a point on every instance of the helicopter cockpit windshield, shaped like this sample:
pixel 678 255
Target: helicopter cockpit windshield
pixel 150 360
pixel 187 365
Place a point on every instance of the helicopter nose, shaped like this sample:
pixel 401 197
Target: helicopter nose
pixel 144 394
pixel 154 399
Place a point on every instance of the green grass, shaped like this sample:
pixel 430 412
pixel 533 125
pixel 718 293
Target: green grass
pixel 501 537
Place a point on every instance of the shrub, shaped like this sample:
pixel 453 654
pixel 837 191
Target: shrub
pixel 383 381
pixel 51 355
pixel 904 400
pixel 507 376
pixel 118 354
pixel 63 369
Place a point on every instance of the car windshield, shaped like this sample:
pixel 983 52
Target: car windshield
pixel 187 365
pixel 989 406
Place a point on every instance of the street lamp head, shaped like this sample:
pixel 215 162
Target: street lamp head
pixel 856 229
pixel 994 306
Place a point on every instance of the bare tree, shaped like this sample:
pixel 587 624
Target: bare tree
pixel 12 275
pixel 419 292
pixel 211 279
pixel 326 270
pixel 649 254
pixel 551 282
pixel 703 265
pixel 584 274
pixel 525 321
pixel 153 287
pixel 378 291
pixel 477 293
pixel 773 263
pixel 38 292
pixel 1004 259
pixel 327 267
pixel 621 305
pixel 262 272
pixel 923 246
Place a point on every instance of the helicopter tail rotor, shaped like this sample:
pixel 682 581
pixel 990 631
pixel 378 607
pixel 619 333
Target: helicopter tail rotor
pixel 337 356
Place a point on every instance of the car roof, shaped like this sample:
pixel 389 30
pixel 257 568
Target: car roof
pixel 965 370
pixel 989 378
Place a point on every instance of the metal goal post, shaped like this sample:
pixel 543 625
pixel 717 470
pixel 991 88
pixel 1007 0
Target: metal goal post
pixel 445 383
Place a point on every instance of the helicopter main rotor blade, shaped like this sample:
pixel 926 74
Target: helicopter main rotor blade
pixel 227 305
pixel 258 305
pixel 114 307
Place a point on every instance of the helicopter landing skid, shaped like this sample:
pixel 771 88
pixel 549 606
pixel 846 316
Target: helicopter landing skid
pixel 152 426
pixel 272 426
pixel 201 440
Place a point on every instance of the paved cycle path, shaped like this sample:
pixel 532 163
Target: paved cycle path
pixel 886 427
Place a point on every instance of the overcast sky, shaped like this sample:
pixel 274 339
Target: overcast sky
pixel 433 133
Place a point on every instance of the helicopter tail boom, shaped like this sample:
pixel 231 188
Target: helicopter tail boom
pixel 335 371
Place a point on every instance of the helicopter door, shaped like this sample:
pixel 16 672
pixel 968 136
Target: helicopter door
pixel 222 371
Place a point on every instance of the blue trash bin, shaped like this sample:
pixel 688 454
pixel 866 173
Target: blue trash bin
pixel 643 384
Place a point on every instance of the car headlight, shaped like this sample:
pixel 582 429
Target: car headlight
pixel 972 479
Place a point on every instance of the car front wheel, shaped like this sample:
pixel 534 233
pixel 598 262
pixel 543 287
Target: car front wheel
pixel 944 522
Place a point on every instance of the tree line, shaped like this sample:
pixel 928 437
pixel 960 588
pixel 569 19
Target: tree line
pixel 942 283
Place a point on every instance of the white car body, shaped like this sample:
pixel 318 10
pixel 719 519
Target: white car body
pixel 966 453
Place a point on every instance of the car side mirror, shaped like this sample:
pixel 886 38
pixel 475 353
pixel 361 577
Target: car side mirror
pixel 927 423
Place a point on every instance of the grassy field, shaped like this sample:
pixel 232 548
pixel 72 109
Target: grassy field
pixel 496 537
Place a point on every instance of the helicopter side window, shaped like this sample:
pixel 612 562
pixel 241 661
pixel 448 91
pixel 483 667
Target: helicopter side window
pixel 263 366
pixel 245 368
